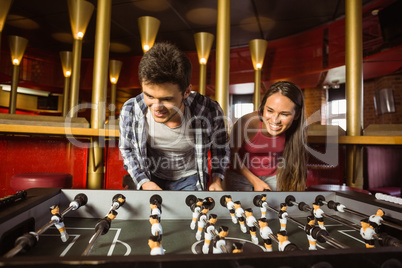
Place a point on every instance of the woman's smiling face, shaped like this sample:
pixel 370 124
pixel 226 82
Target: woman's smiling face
pixel 279 113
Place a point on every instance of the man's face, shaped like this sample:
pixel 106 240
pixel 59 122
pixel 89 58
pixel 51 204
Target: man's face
pixel 165 102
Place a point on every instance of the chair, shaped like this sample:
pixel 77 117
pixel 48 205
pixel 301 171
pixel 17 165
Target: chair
pixel 25 181
pixel 383 169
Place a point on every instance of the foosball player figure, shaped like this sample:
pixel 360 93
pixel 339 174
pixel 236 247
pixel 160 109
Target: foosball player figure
pixel 219 245
pixel 239 212
pixel 308 229
pixel 230 206
pixel 283 216
pixel 251 224
pixel 156 208
pixel 58 222
pixel 367 232
pixel 118 201
pixel 265 233
pixel 155 244
pixel 318 214
pixel 209 232
pixel 264 205
pixel 202 221
pixel 196 207
pixel 237 247
pixel 376 219
pixel 283 242
pixel 109 218
pixel 105 223
pixel 156 227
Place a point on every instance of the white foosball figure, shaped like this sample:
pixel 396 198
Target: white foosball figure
pixel 156 227
pixel 219 245
pixel 367 232
pixel 196 213
pixel 376 219
pixel 58 222
pixel 239 211
pixel 265 233
pixel 318 213
pixel 202 221
pixel 209 233
pixel 283 216
pixel 308 229
pixel 251 224
pixel 230 206
pixel 154 242
pixel 155 209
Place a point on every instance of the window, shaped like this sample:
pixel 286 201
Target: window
pixel 337 113
pixel 241 109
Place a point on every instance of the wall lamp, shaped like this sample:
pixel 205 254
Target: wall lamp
pixel 258 47
pixel 17 47
pixel 203 43
pixel 148 27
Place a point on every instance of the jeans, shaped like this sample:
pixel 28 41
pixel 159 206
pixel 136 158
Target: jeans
pixel 237 182
pixel 182 184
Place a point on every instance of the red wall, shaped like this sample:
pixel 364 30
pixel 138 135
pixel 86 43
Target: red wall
pixel 40 154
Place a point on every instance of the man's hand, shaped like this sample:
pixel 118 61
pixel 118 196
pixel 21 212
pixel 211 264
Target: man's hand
pixel 216 184
pixel 150 185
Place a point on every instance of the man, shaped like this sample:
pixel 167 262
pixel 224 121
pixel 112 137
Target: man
pixel 167 131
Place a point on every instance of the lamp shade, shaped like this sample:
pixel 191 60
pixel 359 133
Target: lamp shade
pixel 4 8
pixel 80 13
pixel 258 47
pixel 148 27
pixel 114 70
pixel 203 43
pixel 66 62
pixel 17 47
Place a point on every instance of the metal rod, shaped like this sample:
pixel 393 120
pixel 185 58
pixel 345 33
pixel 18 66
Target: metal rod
pixel 92 242
pixel 14 251
pixel 79 200
pixel 331 241
pixel 331 217
pixel 387 223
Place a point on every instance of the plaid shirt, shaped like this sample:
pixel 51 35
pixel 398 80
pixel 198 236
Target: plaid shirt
pixel 210 134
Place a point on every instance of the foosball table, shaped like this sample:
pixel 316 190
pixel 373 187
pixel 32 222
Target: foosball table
pixel 49 227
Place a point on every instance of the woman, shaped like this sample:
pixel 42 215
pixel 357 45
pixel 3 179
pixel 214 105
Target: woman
pixel 268 146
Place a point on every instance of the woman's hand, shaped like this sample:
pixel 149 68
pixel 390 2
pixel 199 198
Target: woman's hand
pixel 260 186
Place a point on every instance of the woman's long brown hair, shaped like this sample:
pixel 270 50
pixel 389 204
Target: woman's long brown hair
pixel 292 175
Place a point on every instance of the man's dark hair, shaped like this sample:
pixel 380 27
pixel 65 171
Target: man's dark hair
pixel 165 63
